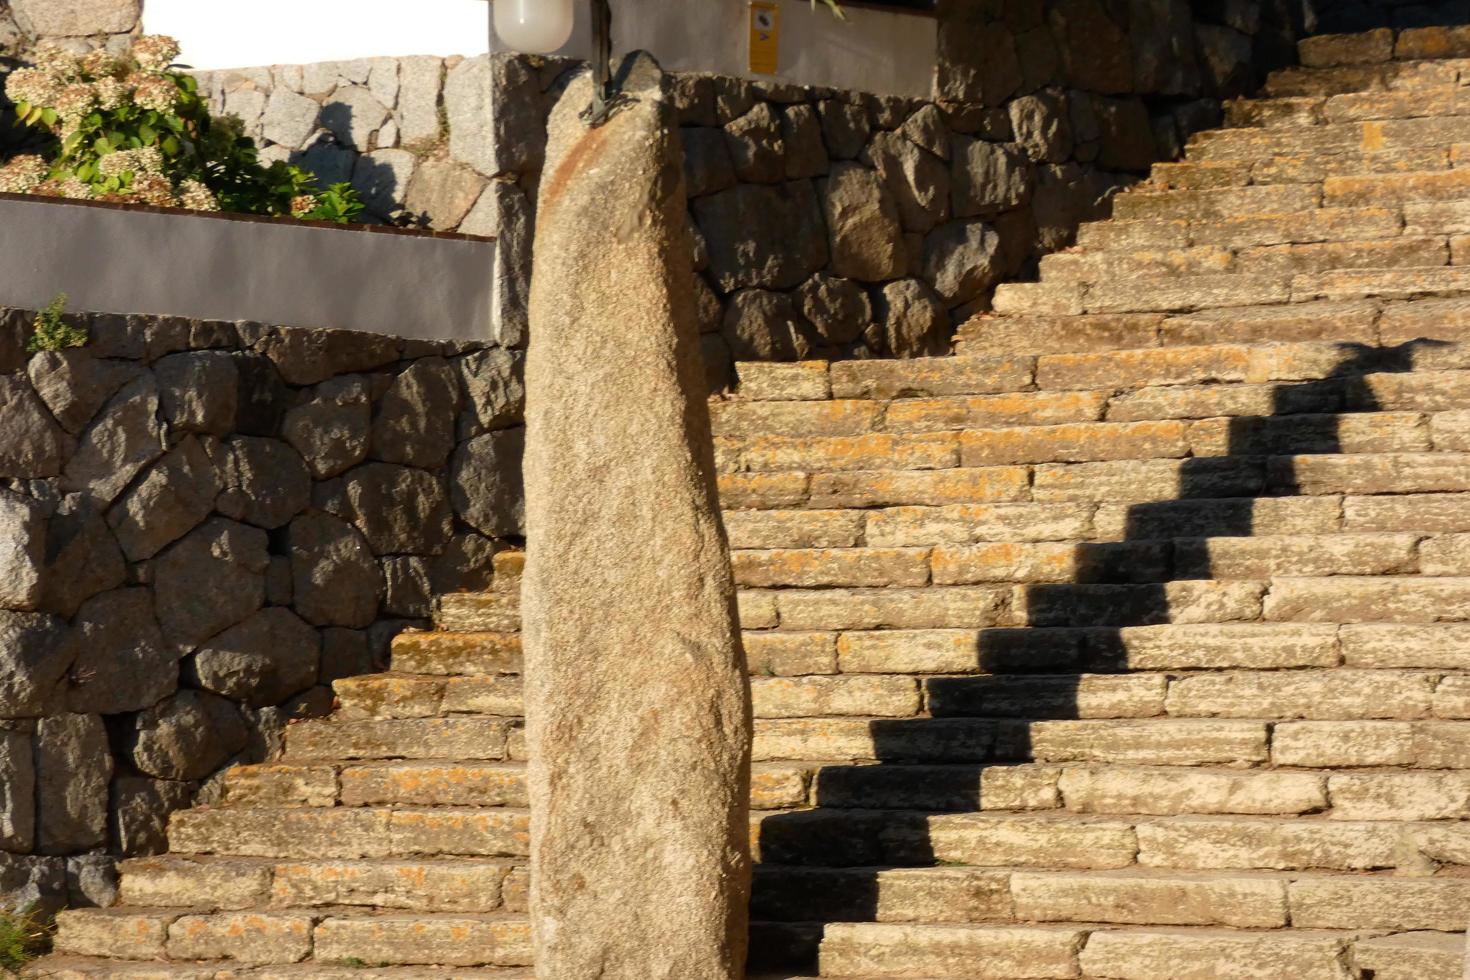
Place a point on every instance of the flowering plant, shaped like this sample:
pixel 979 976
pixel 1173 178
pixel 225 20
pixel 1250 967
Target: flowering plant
pixel 129 128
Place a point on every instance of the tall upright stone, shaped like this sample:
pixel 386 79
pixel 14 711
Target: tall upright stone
pixel 637 702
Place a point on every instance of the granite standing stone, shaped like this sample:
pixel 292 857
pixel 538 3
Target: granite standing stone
pixel 632 647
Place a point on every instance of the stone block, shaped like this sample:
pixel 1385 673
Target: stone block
pixel 35 446
pixel 853 567
pixel 1157 955
pixel 1173 792
pixel 1394 904
pixel 485 484
pixel 1340 694
pixel 845 609
pixel 799 697
pixel 199 391
pixel 194 883
pixel 1399 796
pixel 1149 742
pixel 140 812
pixel 120 661
pixel 438 886
pixel 186 737
pixel 73 766
pixel 1240 903
pixel 1328 744
pixel 17 795
pixel 985 953
pixel 172 499
pixel 210 580
pixel 248 938
pixel 443 940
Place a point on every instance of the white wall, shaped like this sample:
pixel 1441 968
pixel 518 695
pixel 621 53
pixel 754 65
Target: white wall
pixel 873 51
pixel 289 32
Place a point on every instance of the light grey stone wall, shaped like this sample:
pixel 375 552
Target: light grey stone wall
pixel 202 525
pixel 78 24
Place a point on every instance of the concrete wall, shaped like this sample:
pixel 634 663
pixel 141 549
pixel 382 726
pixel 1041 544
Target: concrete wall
pixel 885 52
pixel 225 268
pixel 202 525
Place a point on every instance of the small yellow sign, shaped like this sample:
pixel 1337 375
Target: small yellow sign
pixel 765 37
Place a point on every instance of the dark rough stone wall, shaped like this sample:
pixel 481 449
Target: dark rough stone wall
pixel 202 525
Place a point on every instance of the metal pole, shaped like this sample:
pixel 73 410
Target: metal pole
pixel 601 61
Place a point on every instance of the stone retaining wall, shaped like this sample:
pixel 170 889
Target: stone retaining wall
pixel 202 524
pixel 835 224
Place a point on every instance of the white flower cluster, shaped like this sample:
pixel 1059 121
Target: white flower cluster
pixel 147 160
pixel 23 174
pixel 155 52
pixel 31 85
pixel 156 92
pixel 74 101
pixel 196 197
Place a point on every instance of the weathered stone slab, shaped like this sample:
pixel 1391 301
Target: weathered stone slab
pixel 661 585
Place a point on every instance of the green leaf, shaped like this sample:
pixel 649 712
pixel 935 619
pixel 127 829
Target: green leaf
pixel 49 116
pixel 171 146
pixel 22 109
pixel 147 134
pixel 70 144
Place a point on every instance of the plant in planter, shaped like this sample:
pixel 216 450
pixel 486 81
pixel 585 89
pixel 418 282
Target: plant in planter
pixel 132 129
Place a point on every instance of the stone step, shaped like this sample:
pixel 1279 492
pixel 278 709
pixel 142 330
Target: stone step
pixel 857 424
pixel 1381 794
pixel 1346 79
pixel 1245 646
pixel 1336 694
pixel 1371 136
pixel 1153 385
pixel 290 936
pixel 1318 225
pixel 96 968
pixel 1157 426
pixel 988 952
pixel 1144 897
pixel 1423 745
pixel 1281 111
pixel 463 652
pixel 1269 260
pixel 451 737
pixel 400 695
pixel 1209 205
pixel 350 833
pixel 1051 840
pixel 477 885
pixel 484 612
pixel 987 335
pixel 1132 483
pixel 1220 557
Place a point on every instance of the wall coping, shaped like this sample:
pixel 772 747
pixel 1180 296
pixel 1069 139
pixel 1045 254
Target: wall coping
pixel 202 265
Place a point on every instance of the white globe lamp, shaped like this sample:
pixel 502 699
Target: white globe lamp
pixel 534 26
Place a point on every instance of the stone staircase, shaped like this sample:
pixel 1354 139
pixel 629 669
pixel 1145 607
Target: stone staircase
pixel 1134 643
